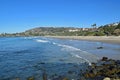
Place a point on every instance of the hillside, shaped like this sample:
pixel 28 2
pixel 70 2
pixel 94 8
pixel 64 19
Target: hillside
pixel 105 30
pixel 43 31
pixel 110 29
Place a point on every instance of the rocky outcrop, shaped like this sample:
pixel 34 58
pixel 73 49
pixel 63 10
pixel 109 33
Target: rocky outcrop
pixel 104 68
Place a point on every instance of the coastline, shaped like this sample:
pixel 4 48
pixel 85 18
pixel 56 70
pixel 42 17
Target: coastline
pixel 61 70
pixel 105 39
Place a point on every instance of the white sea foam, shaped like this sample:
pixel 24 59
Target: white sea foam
pixel 69 48
pixel 29 37
pixel 78 53
pixel 54 43
pixel 77 56
pixel 42 41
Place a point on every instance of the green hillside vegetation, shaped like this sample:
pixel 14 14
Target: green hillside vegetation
pixel 105 30
pixel 110 29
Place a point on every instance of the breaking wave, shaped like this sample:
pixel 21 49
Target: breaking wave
pixel 42 41
pixel 78 53
pixel 74 52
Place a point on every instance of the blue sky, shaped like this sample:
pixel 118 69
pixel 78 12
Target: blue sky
pixel 20 15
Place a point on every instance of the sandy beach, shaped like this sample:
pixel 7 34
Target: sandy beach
pixel 106 39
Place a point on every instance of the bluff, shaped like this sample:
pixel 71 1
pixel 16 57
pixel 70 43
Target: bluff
pixel 112 29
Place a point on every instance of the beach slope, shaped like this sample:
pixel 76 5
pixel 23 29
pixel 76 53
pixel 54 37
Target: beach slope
pixel 106 39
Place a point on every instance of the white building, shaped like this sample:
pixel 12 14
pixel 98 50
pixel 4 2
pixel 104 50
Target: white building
pixel 73 30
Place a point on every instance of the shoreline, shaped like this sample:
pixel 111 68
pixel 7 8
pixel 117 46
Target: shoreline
pixel 105 39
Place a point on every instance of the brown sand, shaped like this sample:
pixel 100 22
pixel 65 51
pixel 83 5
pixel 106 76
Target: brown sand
pixel 106 39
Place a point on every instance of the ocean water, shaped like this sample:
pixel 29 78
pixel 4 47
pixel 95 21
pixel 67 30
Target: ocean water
pixel 23 57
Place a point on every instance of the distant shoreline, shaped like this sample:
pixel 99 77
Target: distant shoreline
pixel 105 39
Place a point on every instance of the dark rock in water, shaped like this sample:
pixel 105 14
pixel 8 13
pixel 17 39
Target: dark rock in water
pixel 82 78
pixel 104 68
pixel 100 47
pixel 65 79
pixel 31 78
pixel 44 76
pixel 58 78
pixel 70 72
pixel 61 59
pixel 90 75
pixel 93 65
pixel 17 79
pixel 41 63
pixel 104 58
pixel 118 62
pixel 76 66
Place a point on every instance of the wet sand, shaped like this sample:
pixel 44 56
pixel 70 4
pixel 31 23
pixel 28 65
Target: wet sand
pixel 106 39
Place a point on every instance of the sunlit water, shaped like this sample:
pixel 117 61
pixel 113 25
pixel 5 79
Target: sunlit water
pixel 23 57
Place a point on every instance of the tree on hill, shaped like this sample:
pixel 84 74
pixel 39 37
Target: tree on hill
pixel 93 25
pixel 118 26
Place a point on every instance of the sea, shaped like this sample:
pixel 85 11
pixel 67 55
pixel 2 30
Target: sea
pixel 38 57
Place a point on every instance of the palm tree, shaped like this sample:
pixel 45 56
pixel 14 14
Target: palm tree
pixel 93 25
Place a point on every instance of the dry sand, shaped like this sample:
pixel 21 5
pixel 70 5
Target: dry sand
pixel 106 39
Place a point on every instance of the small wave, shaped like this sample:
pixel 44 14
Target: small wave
pixel 78 53
pixel 30 37
pixel 67 47
pixel 54 43
pixel 77 56
pixel 42 41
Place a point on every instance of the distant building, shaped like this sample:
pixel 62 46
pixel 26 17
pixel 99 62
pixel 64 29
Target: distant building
pixel 85 29
pixel 73 30
pixel 82 29
pixel 113 24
